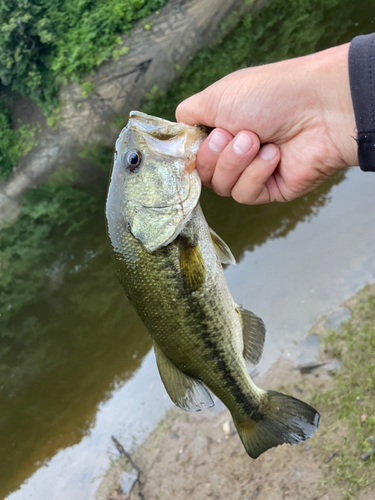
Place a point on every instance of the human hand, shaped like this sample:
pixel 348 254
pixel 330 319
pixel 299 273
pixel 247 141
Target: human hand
pixel 300 110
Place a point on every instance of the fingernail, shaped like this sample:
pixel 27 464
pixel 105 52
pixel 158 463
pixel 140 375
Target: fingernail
pixel 217 141
pixel 242 144
pixel 268 152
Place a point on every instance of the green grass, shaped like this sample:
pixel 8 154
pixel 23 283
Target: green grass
pixel 352 398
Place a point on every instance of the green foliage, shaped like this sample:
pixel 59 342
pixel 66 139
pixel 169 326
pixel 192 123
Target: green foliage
pixel 9 152
pixel 153 93
pixel 116 53
pixel 119 122
pixel 26 138
pixel 87 87
pixel 44 43
pixel 54 117
pixel 26 37
pixel 14 143
pixel 147 26
pixel 61 228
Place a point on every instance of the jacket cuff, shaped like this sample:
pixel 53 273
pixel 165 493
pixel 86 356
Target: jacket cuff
pixel 362 88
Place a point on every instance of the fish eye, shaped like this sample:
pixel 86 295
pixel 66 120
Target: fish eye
pixel 132 159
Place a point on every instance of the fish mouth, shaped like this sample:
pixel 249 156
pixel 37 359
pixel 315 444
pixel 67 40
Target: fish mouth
pixel 180 205
pixel 169 205
pixel 181 202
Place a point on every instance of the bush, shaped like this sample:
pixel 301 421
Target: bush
pixel 14 143
pixel 9 152
pixel 44 43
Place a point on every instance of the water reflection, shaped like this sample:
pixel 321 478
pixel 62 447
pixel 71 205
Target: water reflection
pixel 78 340
pixel 244 228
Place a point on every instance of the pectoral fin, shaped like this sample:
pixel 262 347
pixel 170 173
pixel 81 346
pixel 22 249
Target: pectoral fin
pixel 187 393
pixel 222 249
pixel 254 333
pixel 192 265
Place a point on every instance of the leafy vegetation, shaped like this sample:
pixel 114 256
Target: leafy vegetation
pixel 14 143
pixel 352 400
pixel 44 43
pixel 9 153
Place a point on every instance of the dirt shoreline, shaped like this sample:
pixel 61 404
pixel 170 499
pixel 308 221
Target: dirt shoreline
pixel 199 455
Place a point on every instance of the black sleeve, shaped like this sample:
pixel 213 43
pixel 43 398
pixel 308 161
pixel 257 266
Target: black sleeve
pixel 362 87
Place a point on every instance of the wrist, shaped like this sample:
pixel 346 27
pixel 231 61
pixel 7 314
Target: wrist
pixel 333 88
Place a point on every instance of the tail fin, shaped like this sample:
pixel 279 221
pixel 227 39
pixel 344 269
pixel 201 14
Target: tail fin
pixel 283 420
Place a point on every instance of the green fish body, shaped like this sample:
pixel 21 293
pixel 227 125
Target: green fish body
pixel 169 263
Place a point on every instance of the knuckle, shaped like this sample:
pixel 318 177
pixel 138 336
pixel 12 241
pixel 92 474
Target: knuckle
pixel 220 188
pixel 226 167
pixel 205 170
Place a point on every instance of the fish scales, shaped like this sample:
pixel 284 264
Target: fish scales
pixel 181 322
pixel 169 263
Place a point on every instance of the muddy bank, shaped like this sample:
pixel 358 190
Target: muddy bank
pixel 199 455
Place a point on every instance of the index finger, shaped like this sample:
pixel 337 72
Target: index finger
pixel 209 153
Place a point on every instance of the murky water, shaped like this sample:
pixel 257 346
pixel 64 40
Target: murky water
pixel 85 370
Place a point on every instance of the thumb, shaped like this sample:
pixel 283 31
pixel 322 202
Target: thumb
pixel 197 109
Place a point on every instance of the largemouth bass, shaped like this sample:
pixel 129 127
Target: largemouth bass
pixel 170 264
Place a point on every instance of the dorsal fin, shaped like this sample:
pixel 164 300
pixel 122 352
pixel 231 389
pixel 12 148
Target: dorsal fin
pixel 222 249
pixel 254 334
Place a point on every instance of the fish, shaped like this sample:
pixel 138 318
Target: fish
pixel 170 264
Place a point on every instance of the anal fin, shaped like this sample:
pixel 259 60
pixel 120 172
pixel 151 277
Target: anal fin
pixel 254 334
pixel 187 393
pixel 222 249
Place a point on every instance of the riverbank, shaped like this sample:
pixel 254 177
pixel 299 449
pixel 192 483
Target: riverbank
pixel 199 455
